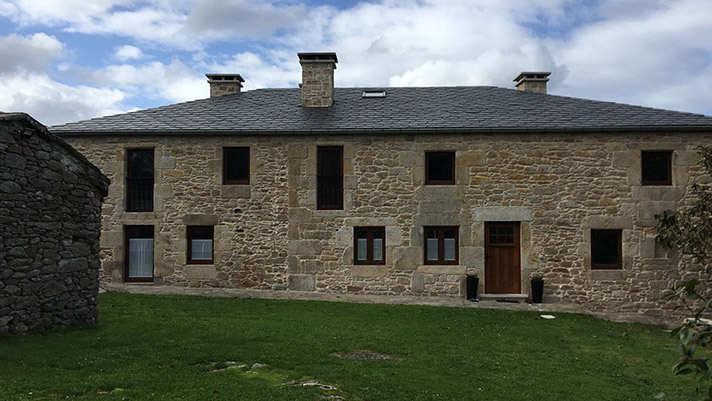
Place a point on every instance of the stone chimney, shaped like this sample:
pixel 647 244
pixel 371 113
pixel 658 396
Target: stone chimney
pixel 317 78
pixel 532 81
pixel 224 84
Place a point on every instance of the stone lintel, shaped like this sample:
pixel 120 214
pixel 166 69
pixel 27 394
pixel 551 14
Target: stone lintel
pixel 607 222
pixel 502 213
pixel 200 220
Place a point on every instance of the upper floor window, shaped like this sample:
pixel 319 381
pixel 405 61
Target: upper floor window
pixel 606 249
pixel 236 165
pixel 441 245
pixel 330 178
pixel 200 244
pixel 656 167
pixel 369 245
pixel 139 180
pixel 439 168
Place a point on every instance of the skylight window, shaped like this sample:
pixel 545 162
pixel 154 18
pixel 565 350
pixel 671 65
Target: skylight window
pixel 373 93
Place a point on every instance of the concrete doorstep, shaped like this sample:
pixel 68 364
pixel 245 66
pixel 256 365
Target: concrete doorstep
pixel 559 307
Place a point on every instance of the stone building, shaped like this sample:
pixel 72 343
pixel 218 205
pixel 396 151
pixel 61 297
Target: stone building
pixel 401 191
pixel 50 222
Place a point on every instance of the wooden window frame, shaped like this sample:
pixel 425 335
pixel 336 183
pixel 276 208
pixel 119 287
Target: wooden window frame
pixel 321 177
pixel 428 155
pixel 189 242
pixel 441 245
pixel 608 266
pixel 369 245
pixel 668 180
pixel 129 178
pixel 226 150
pixel 127 236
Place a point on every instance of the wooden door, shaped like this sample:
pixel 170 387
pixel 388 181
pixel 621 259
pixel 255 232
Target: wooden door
pixel 502 259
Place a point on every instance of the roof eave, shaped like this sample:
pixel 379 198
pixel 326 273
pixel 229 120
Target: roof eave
pixel 620 129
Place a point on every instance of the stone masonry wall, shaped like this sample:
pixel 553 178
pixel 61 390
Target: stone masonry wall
pixel 317 83
pixel 50 216
pixel 270 236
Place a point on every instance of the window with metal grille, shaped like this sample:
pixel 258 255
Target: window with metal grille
pixel 139 180
pixel 439 168
pixel 236 165
pixel 330 178
pixel 606 249
pixel 656 167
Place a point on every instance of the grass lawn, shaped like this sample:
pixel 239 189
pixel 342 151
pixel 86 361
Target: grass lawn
pixel 193 348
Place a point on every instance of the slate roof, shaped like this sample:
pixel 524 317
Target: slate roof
pixel 427 109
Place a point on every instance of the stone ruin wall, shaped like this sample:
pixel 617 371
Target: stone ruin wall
pixel 50 214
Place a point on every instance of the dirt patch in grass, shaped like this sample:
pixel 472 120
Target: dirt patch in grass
pixel 365 355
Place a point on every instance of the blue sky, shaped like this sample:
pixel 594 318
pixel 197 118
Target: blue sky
pixel 75 59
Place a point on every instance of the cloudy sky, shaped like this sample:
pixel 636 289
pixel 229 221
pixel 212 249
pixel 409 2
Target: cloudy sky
pixel 67 60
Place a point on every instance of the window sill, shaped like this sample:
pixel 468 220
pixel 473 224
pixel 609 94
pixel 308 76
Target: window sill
pixel 607 274
pixel 236 191
pixel 365 271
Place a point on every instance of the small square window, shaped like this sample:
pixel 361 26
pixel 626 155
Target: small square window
pixel 200 244
pixel 236 166
pixel 439 168
pixel 441 245
pixel 369 245
pixel 656 167
pixel 606 249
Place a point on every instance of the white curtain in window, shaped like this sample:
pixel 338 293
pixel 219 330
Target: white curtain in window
pixel 201 249
pixel 140 257
pixel 432 249
pixel 449 248
pixel 361 251
pixel 378 249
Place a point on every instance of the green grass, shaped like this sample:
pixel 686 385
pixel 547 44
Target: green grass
pixel 191 348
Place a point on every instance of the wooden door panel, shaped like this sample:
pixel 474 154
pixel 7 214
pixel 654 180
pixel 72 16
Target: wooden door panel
pixel 502 259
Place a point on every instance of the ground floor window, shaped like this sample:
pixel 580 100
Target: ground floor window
pixel 139 253
pixel 369 245
pixel 200 244
pixel 441 245
pixel 606 249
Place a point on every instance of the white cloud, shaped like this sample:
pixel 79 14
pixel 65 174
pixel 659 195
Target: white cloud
pixel 128 52
pixel 661 57
pixel 28 53
pixel 275 70
pixel 51 102
pixel 221 19
pixel 181 24
pixel 174 82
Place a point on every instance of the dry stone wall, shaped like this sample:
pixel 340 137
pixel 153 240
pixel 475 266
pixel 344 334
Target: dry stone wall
pixel 50 214
pixel 269 234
